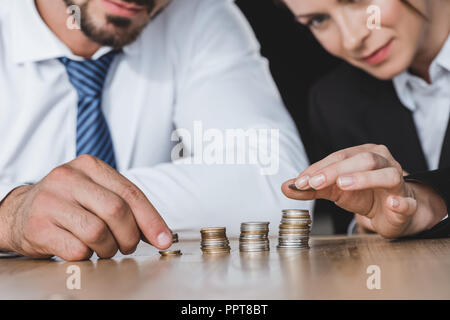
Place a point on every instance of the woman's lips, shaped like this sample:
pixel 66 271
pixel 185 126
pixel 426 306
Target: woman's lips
pixel 121 8
pixel 379 55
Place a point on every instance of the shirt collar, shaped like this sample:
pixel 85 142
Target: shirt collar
pixel 401 84
pixel 33 41
pixel 404 81
pixel 443 58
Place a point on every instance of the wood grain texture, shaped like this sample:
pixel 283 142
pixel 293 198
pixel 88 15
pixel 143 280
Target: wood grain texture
pixel 334 268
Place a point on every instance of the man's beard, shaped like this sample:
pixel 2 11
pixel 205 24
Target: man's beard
pixel 108 38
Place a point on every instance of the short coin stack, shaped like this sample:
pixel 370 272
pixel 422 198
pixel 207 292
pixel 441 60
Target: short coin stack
pixel 214 240
pixel 294 229
pixel 254 237
pixel 170 253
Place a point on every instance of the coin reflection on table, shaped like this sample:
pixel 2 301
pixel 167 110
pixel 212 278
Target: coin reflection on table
pixel 254 261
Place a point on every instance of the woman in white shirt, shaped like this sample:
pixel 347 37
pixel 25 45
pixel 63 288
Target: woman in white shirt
pixel 393 90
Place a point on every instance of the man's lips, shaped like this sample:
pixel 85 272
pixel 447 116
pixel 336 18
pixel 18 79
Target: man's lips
pixel 121 8
pixel 378 55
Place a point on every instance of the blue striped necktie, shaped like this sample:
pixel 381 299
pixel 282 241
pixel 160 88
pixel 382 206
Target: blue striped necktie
pixel 88 78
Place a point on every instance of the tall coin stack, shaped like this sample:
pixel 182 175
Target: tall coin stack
pixel 254 237
pixel 214 240
pixel 294 229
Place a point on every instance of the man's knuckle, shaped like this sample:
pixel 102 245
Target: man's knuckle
pixel 87 161
pixel 96 232
pixel 60 174
pixel 132 193
pixel 116 209
pixel 135 239
pixel 111 252
pixel 78 252
pixel 129 248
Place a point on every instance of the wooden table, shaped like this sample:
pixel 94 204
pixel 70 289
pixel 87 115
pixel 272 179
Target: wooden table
pixel 333 268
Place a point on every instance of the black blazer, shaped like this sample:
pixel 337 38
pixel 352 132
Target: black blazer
pixel 349 107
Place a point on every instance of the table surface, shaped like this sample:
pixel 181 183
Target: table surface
pixel 335 267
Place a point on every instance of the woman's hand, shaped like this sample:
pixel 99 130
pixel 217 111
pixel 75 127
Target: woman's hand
pixel 367 181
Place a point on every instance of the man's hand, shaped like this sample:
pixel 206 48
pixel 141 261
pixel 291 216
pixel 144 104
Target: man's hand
pixel 78 208
pixel 367 181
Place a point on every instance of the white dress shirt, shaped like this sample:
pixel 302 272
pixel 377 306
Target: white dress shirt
pixel 197 61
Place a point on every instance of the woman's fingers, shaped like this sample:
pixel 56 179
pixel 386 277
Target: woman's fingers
pixel 364 161
pixel 302 181
pixel 289 191
pixel 387 178
pixel 406 206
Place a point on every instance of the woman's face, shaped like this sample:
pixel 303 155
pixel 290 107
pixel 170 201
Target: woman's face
pixel 347 29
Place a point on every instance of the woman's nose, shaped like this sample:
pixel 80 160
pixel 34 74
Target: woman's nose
pixel 354 30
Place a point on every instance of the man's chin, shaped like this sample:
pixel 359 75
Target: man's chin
pixel 111 34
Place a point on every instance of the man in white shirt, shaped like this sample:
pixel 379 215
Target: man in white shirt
pixel 191 66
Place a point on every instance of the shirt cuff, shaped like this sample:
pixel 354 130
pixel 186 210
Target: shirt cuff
pixel 352 228
pixel 9 255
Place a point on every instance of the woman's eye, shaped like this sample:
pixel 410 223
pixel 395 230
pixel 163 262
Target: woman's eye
pixel 357 1
pixel 317 21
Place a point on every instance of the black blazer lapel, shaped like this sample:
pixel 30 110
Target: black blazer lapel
pixel 444 161
pixel 392 124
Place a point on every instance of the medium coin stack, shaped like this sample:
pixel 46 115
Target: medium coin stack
pixel 214 240
pixel 254 237
pixel 294 229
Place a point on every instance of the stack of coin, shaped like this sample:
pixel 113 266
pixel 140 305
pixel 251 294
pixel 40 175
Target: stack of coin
pixel 254 237
pixel 168 253
pixel 214 240
pixel 294 229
